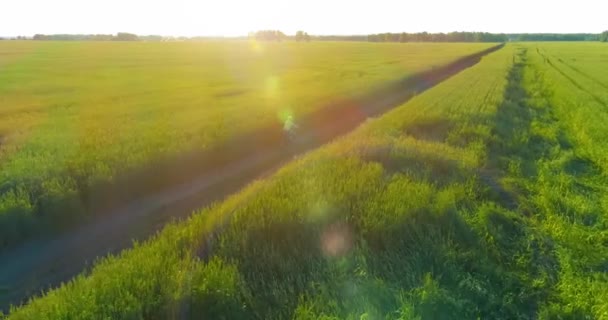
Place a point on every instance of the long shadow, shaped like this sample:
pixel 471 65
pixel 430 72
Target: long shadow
pixel 513 139
pixel 542 162
pixel 440 243
pixel 138 204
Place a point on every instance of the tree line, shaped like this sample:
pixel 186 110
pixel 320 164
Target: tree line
pixel 466 37
pixel 268 35
pixel 554 37
pixel 438 37
pixel 121 36
pixel 302 36
pixel 277 35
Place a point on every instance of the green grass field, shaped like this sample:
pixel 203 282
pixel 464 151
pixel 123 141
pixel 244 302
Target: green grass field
pixel 75 115
pixel 482 198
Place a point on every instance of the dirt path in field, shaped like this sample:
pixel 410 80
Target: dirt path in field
pixel 38 265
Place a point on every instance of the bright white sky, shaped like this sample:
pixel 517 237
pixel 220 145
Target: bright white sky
pixel 238 17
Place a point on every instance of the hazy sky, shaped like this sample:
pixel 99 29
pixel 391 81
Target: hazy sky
pixel 238 17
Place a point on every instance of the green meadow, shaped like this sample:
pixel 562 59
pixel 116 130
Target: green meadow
pixel 78 114
pixel 481 198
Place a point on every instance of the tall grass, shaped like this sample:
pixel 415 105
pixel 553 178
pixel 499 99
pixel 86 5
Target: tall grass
pixel 78 115
pixel 567 191
pixel 480 198
pixel 391 220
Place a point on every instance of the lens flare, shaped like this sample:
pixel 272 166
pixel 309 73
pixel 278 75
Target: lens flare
pixel 285 114
pixel 336 240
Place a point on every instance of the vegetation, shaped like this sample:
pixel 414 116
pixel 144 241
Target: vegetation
pixel 125 36
pixel 554 37
pixel 463 37
pixel 276 35
pixel 77 115
pixel 322 237
pixel 121 36
pixel 438 37
pixel 302 36
pixel 269 35
pixel 483 197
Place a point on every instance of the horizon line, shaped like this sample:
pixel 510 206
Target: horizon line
pixel 288 34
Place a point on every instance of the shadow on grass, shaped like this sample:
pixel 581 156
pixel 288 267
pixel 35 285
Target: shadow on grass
pixel 516 147
pixel 493 264
pixel 497 268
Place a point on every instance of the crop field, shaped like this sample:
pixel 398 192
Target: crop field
pixel 78 114
pixel 481 198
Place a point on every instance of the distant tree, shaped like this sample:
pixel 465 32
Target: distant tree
pixel 74 37
pixel 151 38
pixel 604 36
pixel 553 37
pixel 269 35
pixel 425 37
pixel 438 37
pixel 300 36
pixel 456 37
pixel 100 37
pixel 430 37
pixel 124 36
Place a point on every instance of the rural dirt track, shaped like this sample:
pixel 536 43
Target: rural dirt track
pixel 45 263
